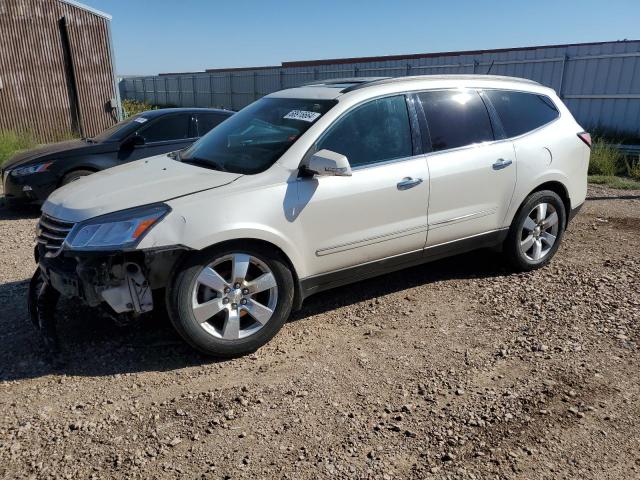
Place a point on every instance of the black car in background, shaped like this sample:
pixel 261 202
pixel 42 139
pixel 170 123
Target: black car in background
pixel 29 177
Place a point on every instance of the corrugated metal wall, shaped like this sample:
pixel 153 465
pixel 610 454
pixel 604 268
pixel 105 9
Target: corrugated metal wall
pixel 600 82
pixel 33 94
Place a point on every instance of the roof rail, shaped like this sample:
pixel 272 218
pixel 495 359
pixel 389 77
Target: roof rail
pixel 338 81
pixel 385 80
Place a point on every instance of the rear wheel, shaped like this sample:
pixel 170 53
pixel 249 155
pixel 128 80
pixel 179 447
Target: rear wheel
pixel 536 231
pixel 75 175
pixel 229 302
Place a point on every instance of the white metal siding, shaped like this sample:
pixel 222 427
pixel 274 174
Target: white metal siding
pixel 600 83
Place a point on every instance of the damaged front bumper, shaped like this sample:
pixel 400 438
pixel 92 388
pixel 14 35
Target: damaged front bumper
pixel 122 280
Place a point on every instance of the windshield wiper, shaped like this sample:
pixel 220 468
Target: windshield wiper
pixel 203 162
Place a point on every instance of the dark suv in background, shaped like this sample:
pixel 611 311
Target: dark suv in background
pixel 29 177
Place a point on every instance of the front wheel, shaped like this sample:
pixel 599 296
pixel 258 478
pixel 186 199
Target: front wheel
pixel 75 175
pixel 536 231
pixel 228 302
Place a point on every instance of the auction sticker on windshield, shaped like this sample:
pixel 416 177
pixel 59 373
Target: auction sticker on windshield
pixel 141 119
pixel 302 115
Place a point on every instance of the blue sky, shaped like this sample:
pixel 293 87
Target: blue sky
pixel 153 36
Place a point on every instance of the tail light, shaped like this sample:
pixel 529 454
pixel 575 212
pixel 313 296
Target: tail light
pixel 586 138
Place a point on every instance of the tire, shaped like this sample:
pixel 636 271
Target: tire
pixel 74 175
pixel 532 243
pixel 198 290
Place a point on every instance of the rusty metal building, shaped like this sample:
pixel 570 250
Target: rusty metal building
pixel 57 75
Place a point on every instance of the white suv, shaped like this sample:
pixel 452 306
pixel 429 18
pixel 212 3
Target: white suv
pixel 311 188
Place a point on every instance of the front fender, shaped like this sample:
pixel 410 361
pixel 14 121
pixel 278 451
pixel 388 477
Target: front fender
pixel 175 229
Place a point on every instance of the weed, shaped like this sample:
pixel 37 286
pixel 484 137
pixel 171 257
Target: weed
pixel 12 142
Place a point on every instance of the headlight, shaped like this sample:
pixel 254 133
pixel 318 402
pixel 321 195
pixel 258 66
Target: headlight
pixel 117 230
pixel 22 171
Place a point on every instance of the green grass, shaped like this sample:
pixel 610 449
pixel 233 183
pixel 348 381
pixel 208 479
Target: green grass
pixel 12 142
pixel 608 166
pixel 132 107
pixel 621 183
pixel 605 160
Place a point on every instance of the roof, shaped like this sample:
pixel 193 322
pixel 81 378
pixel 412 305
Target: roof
pixel 333 88
pixel 499 78
pixel 162 111
pixel 89 9
pixel 315 92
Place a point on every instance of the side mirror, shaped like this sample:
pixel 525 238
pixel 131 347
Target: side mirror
pixel 328 164
pixel 132 141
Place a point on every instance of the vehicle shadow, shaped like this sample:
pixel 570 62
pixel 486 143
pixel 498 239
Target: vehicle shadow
pixel 18 213
pixel 93 345
pixel 617 197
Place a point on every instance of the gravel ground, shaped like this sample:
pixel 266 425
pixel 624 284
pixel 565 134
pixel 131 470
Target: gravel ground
pixel 456 369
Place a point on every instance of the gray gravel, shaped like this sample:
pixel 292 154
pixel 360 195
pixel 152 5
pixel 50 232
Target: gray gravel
pixel 457 369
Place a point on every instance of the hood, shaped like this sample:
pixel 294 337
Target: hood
pixel 44 152
pixel 152 180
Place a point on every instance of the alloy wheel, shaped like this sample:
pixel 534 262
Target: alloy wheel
pixel 235 296
pixel 539 232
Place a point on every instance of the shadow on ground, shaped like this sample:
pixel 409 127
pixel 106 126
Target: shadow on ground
pixel 93 345
pixel 18 213
pixel 616 197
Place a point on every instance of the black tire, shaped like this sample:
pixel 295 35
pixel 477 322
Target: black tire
pixel 514 254
pixel 75 175
pixel 180 297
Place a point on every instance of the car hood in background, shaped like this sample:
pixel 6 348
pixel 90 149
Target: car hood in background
pixel 58 150
pixel 152 180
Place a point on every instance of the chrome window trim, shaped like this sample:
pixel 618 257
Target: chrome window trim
pixel 386 162
pixel 468 147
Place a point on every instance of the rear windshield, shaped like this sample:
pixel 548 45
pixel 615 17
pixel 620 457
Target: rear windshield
pixel 253 139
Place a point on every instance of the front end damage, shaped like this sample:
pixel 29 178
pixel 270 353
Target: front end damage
pixel 121 281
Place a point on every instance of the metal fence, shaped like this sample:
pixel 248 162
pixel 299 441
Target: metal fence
pixel 599 82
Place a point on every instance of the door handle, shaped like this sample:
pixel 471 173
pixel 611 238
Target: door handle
pixel 501 163
pixel 408 182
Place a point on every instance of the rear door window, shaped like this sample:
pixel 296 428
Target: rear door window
pixel 375 132
pixel 456 118
pixel 522 112
pixel 206 121
pixel 172 127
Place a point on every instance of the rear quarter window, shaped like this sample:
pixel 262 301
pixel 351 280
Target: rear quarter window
pixel 522 112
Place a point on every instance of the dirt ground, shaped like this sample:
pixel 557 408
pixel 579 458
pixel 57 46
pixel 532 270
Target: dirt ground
pixel 455 369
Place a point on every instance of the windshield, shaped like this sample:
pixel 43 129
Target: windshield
pixel 254 138
pixel 120 130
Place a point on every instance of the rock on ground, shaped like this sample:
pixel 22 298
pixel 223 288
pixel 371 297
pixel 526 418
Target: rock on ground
pixel 456 369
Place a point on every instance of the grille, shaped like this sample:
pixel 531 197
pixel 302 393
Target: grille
pixel 51 233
